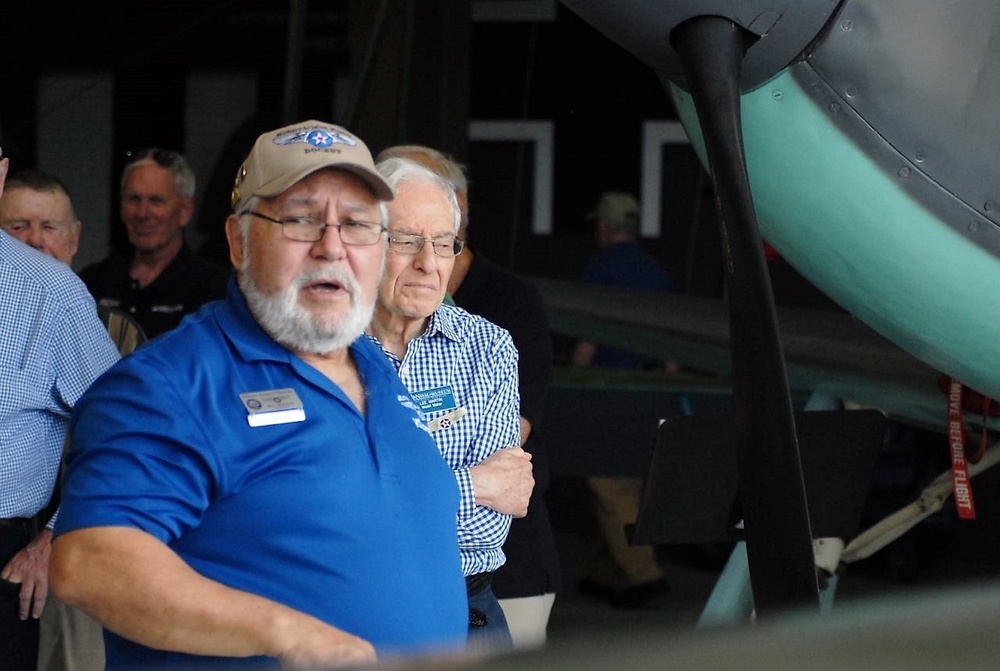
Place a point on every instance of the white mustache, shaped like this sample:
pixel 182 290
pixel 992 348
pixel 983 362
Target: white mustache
pixel 330 276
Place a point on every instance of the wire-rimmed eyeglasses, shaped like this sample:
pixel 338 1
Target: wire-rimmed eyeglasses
pixel 309 229
pixel 446 246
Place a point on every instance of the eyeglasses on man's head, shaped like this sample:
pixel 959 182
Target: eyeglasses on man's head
pixel 446 246
pixel 310 229
pixel 162 157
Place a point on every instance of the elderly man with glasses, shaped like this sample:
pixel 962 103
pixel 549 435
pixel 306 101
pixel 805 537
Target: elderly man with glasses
pixel 161 279
pixel 462 372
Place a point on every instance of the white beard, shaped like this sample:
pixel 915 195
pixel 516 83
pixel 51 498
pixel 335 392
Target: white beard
pixel 281 316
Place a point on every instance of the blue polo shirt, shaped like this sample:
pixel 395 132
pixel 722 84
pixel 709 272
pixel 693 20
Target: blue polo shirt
pixel 347 517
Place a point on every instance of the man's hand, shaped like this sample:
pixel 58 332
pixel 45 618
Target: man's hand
pixel 503 481
pixel 327 648
pixel 30 567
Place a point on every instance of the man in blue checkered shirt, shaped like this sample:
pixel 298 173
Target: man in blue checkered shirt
pixel 462 372
pixel 52 346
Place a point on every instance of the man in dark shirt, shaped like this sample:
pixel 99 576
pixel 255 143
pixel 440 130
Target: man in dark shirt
pixel 527 583
pixel 161 280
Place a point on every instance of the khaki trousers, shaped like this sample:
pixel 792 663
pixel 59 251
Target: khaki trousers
pixel 69 639
pixel 528 619
pixel 617 564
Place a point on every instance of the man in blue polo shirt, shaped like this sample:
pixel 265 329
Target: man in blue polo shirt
pixel 257 487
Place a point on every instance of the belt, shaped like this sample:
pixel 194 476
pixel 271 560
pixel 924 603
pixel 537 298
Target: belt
pixel 14 523
pixel 476 583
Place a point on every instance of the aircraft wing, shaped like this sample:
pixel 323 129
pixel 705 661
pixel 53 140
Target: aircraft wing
pixel 827 352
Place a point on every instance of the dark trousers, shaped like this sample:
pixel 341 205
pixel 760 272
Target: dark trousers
pixel 489 634
pixel 18 638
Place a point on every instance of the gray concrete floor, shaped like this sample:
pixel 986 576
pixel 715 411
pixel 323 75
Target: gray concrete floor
pixel 943 553
pixel 928 602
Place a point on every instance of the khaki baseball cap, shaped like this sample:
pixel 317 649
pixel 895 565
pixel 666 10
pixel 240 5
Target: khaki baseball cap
pixel 282 157
pixel 616 207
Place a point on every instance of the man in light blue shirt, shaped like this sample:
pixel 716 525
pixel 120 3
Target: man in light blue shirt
pixel 52 347
pixel 462 372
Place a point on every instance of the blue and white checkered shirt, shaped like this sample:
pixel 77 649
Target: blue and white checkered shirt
pixel 52 346
pixel 462 373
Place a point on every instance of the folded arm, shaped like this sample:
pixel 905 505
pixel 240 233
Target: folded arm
pixel 503 481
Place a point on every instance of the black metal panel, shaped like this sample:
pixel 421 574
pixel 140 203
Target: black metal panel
pixel 609 428
pixel 692 482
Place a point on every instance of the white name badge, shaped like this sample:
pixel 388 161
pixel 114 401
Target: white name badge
pixel 274 406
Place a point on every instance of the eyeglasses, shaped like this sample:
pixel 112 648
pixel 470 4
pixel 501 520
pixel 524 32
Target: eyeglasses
pixel 308 229
pixel 412 244
pixel 163 157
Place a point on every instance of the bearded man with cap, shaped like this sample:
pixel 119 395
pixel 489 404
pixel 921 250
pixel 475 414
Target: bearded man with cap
pixel 257 487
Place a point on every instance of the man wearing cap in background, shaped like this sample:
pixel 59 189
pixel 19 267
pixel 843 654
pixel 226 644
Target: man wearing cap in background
pixel 257 483
pixel 627 576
